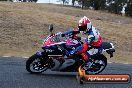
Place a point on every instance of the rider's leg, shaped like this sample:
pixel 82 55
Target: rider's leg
pixel 87 64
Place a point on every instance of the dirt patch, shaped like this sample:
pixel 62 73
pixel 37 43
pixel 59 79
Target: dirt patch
pixel 23 25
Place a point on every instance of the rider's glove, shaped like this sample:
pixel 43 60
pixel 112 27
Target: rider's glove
pixel 72 53
pixel 62 35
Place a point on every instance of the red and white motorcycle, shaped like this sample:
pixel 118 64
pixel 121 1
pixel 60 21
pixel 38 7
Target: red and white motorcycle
pixel 54 56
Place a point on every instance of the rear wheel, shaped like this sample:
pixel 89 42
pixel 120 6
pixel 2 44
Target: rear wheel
pixel 35 65
pixel 99 63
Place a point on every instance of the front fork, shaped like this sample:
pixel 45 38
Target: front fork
pixel 46 61
pixel 39 53
pixel 42 57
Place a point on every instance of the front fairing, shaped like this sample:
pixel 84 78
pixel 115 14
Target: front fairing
pixel 51 45
pixel 47 41
pixel 53 42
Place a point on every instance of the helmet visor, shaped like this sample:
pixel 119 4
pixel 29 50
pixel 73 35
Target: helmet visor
pixel 82 28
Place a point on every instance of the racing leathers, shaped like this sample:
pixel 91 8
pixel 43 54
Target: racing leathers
pixel 93 40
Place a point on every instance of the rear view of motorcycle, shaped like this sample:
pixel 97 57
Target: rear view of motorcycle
pixel 54 56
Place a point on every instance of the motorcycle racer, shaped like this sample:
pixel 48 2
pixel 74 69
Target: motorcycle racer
pixel 93 40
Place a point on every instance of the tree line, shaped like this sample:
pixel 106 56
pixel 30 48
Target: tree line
pixel 114 6
pixel 21 0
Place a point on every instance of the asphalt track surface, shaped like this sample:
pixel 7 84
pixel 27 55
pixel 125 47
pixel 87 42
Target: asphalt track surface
pixel 14 75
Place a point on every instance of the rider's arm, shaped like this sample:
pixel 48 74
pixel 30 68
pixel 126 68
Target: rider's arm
pixel 69 33
pixel 66 33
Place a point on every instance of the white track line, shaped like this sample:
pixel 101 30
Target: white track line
pixel 25 57
pixel 125 63
pixel 14 56
pixel 6 56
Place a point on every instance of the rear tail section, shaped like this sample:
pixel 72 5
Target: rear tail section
pixel 109 48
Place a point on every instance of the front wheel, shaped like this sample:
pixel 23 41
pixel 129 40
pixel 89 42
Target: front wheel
pixel 99 63
pixel 35 65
